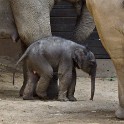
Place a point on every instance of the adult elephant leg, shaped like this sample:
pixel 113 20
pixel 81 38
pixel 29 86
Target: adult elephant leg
pixel 7 25
pixel 33 21
pixel 109 20
pixel 117 56
pixel 119 64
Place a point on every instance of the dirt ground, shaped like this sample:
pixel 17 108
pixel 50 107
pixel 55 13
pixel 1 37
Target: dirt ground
pixel 14 110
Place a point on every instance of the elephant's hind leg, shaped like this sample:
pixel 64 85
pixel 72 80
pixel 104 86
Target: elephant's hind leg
pixel 42 86
pixel 45 72
pixel 30 86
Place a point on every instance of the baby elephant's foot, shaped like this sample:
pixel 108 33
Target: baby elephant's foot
pixel 25 97
pixel 72 98
pixel 42 96
pixel 63 98
pixel 120 113
pixel 21 91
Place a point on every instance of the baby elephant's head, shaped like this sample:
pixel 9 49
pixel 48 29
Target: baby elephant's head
pixel 84 59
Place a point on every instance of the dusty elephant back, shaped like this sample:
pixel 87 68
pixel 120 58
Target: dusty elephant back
pixel 7 25
pixel 32 18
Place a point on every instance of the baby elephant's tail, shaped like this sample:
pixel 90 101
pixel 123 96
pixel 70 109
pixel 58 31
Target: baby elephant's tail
pixel 22 57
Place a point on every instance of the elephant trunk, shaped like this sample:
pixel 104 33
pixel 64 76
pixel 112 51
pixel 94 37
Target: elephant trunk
pixel 92 87
pixel 84 26
pixel 93 75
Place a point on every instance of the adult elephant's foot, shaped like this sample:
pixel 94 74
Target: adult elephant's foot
pixel 120 113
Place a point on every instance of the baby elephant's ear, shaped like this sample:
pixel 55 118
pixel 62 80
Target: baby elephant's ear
pixel 78 57
pixel 92 62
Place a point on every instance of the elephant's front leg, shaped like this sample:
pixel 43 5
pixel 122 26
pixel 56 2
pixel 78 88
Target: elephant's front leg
pixel 71 89
pixel 30 86
pixel 65 81
pixel 119 65
pixel 109 20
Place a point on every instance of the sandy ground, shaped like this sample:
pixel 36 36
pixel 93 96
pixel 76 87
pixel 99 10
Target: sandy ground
pixel 14 110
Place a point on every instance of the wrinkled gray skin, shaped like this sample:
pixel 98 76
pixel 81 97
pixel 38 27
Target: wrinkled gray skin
pixel 32 19
pixel 7 24
pixel 85 23
pixel 56 56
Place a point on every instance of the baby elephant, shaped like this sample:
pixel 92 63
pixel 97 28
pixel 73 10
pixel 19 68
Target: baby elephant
pixel 57 56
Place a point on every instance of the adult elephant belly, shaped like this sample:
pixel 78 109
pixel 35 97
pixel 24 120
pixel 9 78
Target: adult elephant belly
pixel 7 25
pixel 32 18
pixel 109 20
